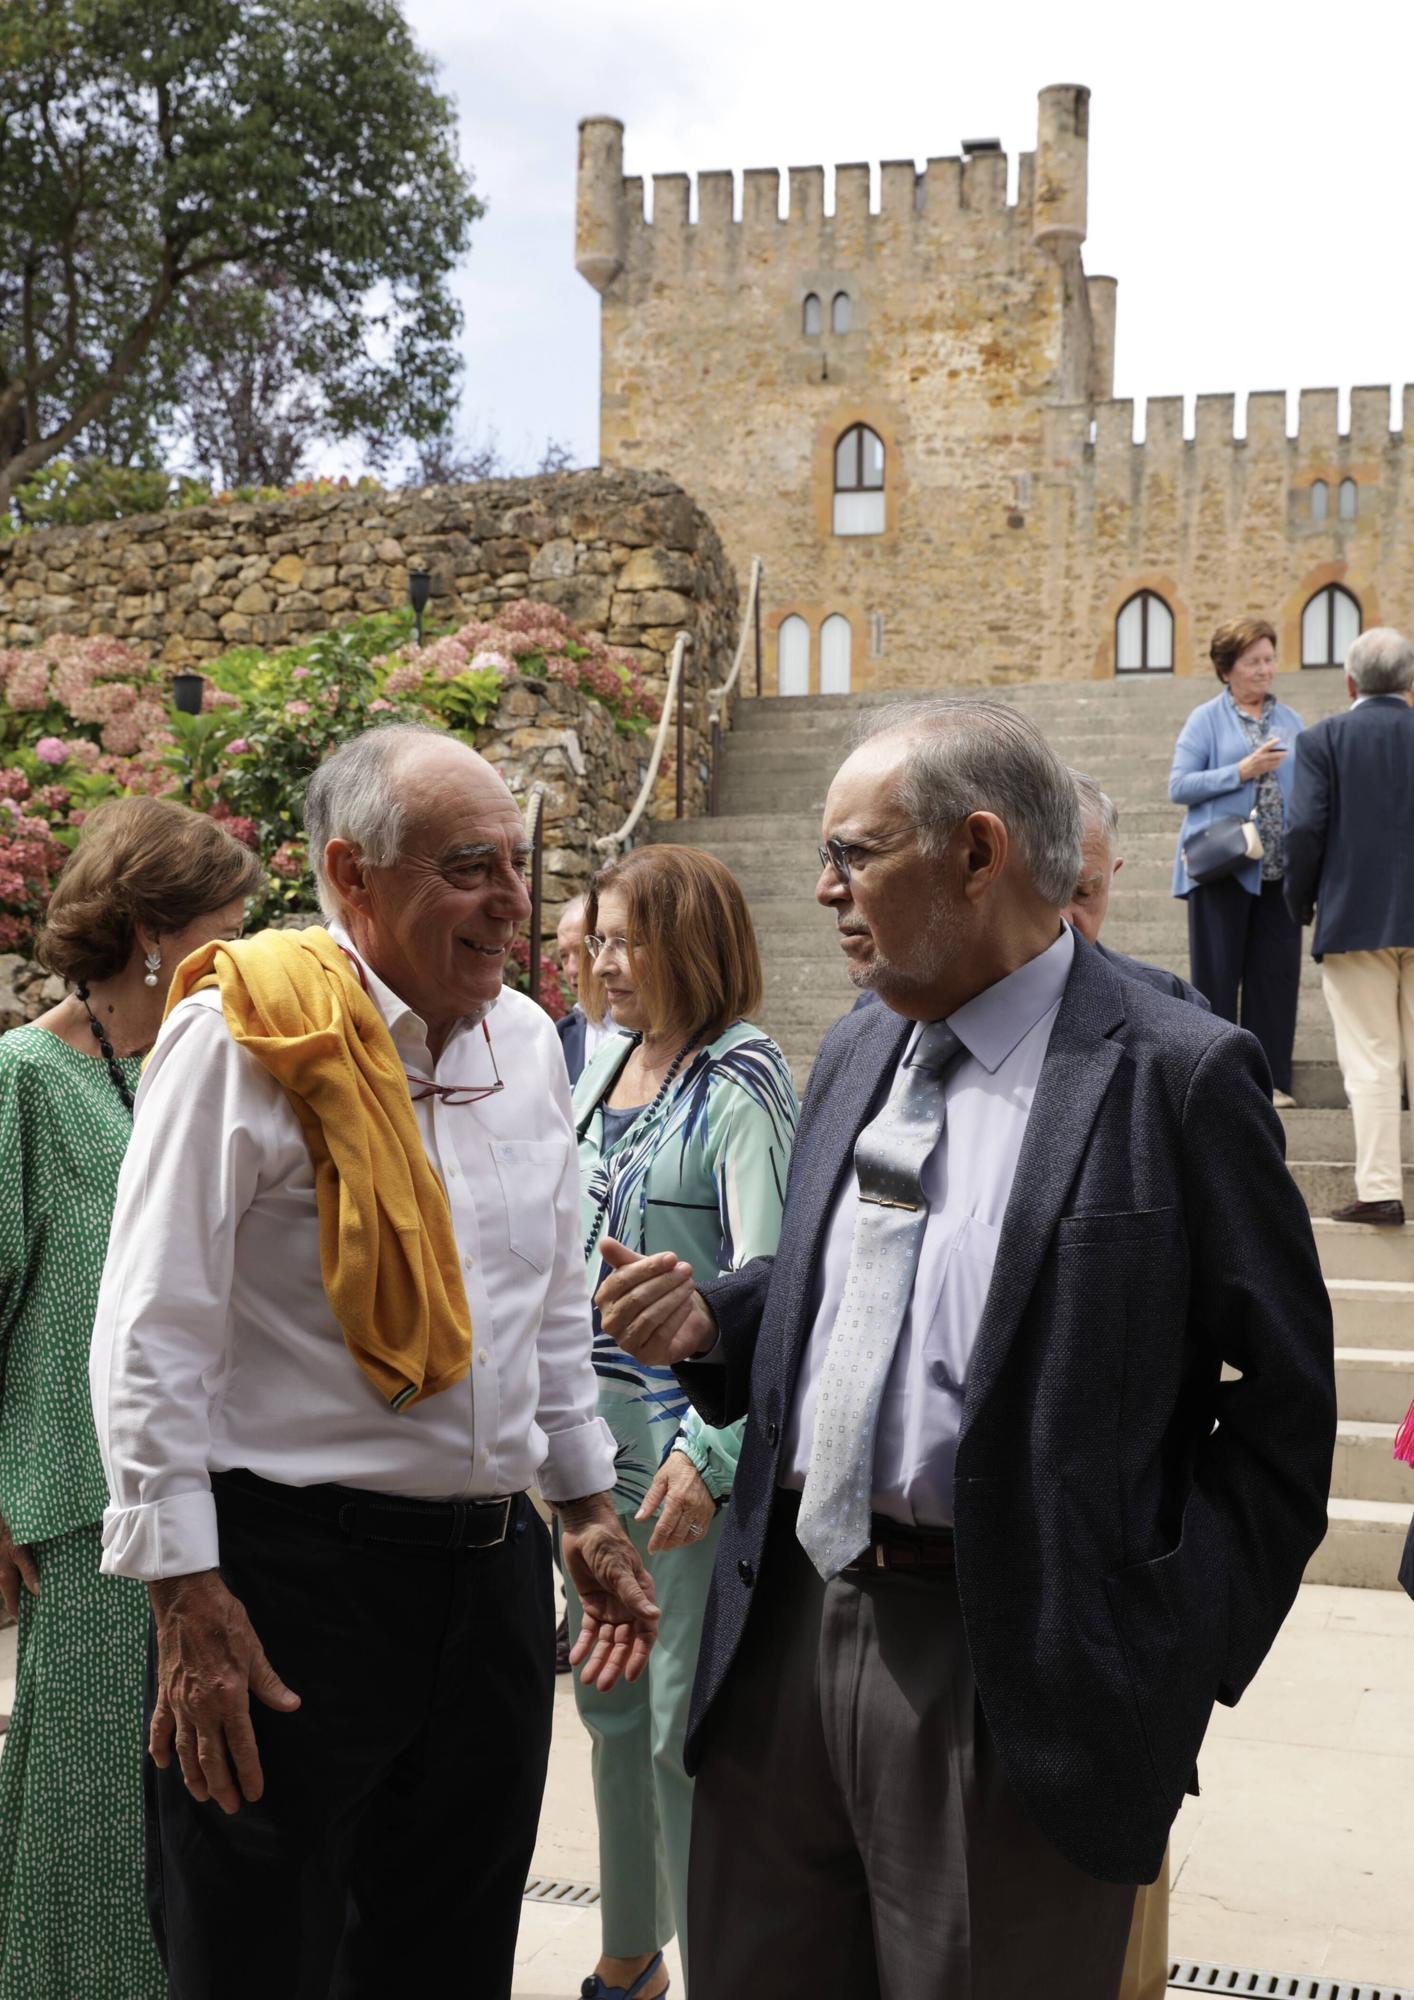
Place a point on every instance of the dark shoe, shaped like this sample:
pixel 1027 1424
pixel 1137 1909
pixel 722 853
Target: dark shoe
pixel 1383 1214
pixel 595 1989
pixel 562 1639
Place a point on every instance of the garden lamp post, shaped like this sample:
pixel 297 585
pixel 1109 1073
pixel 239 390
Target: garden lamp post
pixel 187 691
pixel 419 590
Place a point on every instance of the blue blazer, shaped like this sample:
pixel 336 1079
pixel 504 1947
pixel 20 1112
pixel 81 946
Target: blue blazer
pixel 1130 1529
pixel 1204 778
pixel 1350 829
pixel 571 1030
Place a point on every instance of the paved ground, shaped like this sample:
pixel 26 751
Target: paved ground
pixel 1298 1857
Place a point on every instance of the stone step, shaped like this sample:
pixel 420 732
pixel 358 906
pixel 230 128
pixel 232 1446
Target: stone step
pixel 1310 693
pixel 1356 1250
pixel 1330 1184
pixel 1373 1313
pixel 1319 1135
pixel 1365 1467
pixel 1373 1385
pixel 1363 1545
pixel 1132 756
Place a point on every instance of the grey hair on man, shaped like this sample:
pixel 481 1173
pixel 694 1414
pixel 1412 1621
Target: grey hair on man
pixel 1097 809
pixel 354 796
pixel 966 755
pixel 1381 661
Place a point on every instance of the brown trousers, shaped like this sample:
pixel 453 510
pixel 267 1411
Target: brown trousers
pixel 853 1832
pixel 1146 1962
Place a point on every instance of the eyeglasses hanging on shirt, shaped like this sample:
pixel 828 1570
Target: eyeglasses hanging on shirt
pixel 457 1094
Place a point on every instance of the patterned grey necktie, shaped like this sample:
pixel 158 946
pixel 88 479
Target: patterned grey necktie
pixel 889 1157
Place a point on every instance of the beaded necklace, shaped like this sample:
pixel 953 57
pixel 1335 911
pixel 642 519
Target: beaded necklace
pixel 603 1208
pixel 120 1082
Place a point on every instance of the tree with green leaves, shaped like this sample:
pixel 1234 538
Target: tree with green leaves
pixel 167 164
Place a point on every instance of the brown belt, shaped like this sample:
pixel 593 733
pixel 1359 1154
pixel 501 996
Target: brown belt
pixel 894 1547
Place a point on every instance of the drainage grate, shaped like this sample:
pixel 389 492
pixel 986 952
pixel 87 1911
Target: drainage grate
pixel 1187 1976
pixel 585 1895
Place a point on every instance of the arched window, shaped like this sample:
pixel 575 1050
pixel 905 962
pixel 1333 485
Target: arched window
pixel 840 313
pixel 859 482
pixel 835 640
pixel 1144 636
pixel 1349 499
pixel 793 657
pixel 1320 500
pixel 812 319
pixel 1329 626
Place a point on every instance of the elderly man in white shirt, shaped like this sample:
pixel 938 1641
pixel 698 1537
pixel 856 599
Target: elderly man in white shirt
pixel 372 1572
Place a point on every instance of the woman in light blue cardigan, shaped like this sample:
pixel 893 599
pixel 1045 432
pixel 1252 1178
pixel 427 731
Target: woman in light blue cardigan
pixel 1233 757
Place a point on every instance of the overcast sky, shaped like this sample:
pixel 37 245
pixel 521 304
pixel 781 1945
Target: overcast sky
pixel 1249 165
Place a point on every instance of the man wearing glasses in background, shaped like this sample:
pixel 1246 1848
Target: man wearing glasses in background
pixel 342 1329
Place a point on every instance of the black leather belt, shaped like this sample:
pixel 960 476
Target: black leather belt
pixel 894 1547
pixel 377 1517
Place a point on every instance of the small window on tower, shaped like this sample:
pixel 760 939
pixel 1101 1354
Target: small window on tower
pixel 859 482
pixel 1349 499
pixel 1320 500
pixel 812 319
pixel 840 313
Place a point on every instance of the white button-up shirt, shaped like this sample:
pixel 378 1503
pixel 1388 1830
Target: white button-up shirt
pixel 214 1346
pixel 1005 1032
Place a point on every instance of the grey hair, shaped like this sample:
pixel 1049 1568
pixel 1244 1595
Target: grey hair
pixel 1097 808
pixel 354 796
pixel 1381 661
pixel 965 756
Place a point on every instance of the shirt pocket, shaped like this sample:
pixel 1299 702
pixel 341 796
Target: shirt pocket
pixel 529 1173
pixel 956 1304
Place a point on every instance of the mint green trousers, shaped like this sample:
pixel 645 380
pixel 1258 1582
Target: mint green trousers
pixel 642 1793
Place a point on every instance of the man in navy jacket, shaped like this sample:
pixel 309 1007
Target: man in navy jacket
pixel 942 1762
pixel 1350 834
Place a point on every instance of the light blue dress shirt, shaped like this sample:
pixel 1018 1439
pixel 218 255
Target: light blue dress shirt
pixel 1005 1031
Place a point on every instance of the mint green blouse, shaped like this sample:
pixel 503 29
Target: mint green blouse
pixel 63 1133
pixel 703 1174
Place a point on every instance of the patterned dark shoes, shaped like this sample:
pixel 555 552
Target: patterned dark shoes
pixel 1383 1214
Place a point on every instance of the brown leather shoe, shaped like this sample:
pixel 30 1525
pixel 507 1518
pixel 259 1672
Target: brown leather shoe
pixel 1383 1214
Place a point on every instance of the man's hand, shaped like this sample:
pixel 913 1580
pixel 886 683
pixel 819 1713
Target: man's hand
pixel 620 1617
pixel 209 1661
pixel 16 1568
pixel 688 1508
pixel 650 1307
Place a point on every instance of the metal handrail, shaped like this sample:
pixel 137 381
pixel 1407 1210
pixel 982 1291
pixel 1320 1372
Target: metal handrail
pixel 716 696
pixel 535 833
pixel 613 842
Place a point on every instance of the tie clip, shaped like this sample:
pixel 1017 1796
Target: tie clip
pixel 883 1201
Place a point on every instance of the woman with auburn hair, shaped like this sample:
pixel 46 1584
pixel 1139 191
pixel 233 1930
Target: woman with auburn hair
pixel 686 1122
pixel 1233 761
pixel 149 881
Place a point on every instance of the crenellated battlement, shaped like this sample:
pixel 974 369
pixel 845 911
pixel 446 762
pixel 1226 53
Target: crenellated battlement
pixel 1105 431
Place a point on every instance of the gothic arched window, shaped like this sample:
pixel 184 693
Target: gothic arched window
pixel 1349 499
pixel 1144 636
pixel 1329 626
pixel 1320 500
pixel 840 314
pixel 793 657
pixel 859 482
pixel 836 641
pixel 812 320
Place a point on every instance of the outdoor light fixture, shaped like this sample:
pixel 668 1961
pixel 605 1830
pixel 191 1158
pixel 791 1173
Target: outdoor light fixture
pixel 419 590
pixel 187 690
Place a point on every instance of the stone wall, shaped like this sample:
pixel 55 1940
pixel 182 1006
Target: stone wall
pixel 626 555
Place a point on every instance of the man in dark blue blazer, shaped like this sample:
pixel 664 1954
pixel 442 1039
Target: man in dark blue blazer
pixel 1033 1208
pixel 1350 833
pixel 579 1037
pixel 1100 862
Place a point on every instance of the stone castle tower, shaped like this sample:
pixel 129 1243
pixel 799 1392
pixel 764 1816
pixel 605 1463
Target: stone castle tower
pixel 908 414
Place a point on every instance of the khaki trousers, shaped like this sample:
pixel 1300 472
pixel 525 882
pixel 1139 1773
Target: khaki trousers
pixel 1370 995
pixel 1146 1961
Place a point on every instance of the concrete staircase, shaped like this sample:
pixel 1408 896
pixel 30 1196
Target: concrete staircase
pixel 778 763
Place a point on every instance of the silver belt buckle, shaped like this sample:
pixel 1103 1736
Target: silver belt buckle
pixel 505 1507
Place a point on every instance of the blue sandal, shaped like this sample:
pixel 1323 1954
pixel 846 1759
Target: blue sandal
pixel 595 1989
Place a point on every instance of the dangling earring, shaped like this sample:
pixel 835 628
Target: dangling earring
pixel 153 962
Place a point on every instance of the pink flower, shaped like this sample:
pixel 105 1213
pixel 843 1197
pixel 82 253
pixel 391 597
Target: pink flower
pixel 50 750
pixel 242 829
pixel 381 707
pixel 403 680
pixel 300 674
pixel 288 860
pixel 237 748
pixel 298 707
pixel 492 659
pixel 27 685
pixel 13 784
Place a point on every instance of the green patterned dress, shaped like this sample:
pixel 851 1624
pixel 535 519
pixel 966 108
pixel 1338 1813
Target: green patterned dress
pixel 73 1924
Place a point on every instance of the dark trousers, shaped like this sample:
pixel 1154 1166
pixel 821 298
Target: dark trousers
pixel 853 1831
pixel 390 1851
pixel 1244 955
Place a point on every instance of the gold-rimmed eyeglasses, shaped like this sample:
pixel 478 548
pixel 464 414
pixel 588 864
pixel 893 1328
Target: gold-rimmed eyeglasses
pixel 619 946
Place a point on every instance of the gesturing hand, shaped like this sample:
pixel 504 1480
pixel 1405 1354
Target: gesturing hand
pixel 650 1307
pixel 620 1618
pixel 687 1507
pixel 209 1662
pixel 16 1568
pixel 1264 758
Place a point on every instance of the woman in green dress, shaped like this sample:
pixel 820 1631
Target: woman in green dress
pixel 686 1125
pixel 149 882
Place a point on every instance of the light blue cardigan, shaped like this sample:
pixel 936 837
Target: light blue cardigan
pixel 1204 777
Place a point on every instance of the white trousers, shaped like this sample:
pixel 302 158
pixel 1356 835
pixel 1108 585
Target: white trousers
pixel 1370 995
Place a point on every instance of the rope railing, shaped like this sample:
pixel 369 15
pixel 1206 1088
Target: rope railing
pixel 717 696
pixel 613 843
pixel 535 834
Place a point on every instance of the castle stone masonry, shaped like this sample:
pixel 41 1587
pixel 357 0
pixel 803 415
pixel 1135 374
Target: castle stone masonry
pixel 1016 517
